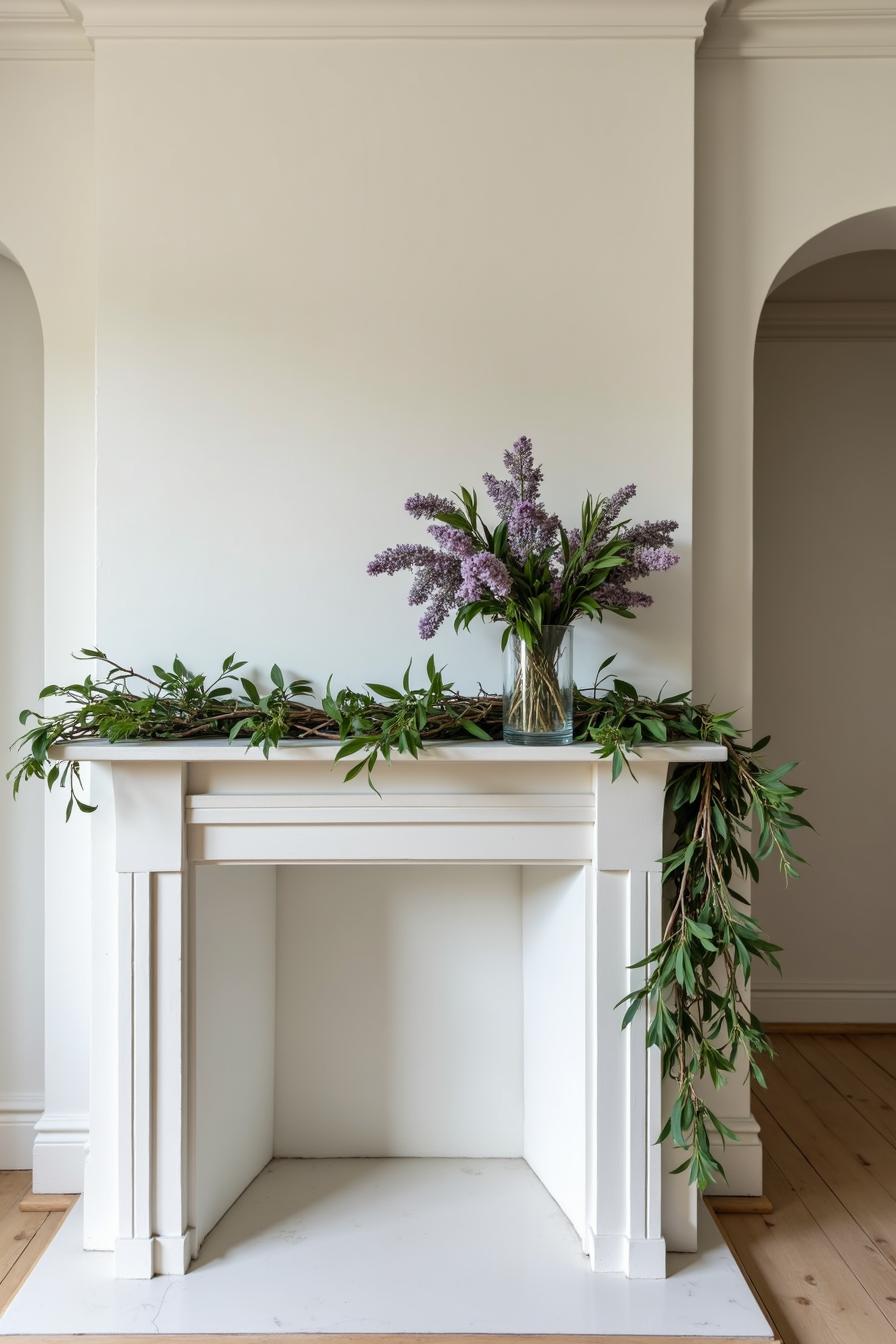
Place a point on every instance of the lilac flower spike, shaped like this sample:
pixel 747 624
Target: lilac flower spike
pixel 452 540
pixel 526 476
pixel 524 483
pixel 617 502
pixel 654 559
pixel 437 577
pixel 502 494
pixel 531 530
pixel 480 574
pixel 427 506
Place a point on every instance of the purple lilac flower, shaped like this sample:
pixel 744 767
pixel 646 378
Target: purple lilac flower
pixel 617 502
pixel 524 482
pixel 654 559
pixel 437 578
pixel 520 462
pixel 531 530
pixel 452 540
pixel 643 560
pixel 651 534
pixel 406 555
pixel 502 494
pixel 427 506
pixel 617 595
pixel 483 573
pixel 439 608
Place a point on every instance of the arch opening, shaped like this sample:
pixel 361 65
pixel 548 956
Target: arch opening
pixel 824 618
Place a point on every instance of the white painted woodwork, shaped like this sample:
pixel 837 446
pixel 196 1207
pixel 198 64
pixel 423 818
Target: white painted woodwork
pixel 21 647
pixel 47 224
pixel 557 918
pixel 782 29
pixel 180 806
pixel 233 1031
pixel 354 19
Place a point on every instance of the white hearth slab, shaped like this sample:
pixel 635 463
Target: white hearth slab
pixel 413 1245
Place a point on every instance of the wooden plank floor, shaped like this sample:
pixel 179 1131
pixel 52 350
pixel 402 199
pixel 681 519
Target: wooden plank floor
pixel 823 1263
pixel 24 1236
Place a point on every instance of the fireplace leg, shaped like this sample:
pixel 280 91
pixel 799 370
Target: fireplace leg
pixel 626 1189
pixel 152 1233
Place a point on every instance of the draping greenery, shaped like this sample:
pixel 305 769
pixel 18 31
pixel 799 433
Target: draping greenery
pixel 726 817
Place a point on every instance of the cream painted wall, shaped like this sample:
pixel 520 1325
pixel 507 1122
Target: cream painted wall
pixel 825 484
pixel 21 631
pixel 334 273
pixel 779 160
pixel 47 224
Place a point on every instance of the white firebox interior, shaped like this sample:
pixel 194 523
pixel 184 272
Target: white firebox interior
pixel 401 1012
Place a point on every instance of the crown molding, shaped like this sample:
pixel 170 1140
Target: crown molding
pixel 40 30
pixel 309 19
pixel 843 320
pixel 800 28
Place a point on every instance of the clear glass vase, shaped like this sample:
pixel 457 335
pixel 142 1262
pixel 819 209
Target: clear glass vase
pixel 538 689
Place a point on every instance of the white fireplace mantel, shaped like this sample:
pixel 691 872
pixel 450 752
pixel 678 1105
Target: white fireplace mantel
pixel 592 1108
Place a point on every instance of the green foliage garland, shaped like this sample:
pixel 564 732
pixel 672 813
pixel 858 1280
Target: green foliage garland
pixel 726 817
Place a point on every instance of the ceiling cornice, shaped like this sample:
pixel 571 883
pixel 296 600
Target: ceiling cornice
pixel 842 320
pixel 309 19
pixel 40 30
pixel 800 28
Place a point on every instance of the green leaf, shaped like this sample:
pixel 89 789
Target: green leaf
pixel 657 729
pixel 251 690
pixel 474 730
pixel 387 692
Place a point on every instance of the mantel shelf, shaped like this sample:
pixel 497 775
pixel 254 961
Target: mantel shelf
pixel 462 753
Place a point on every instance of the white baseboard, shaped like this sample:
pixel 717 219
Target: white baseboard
pixel 826 1001
pixel 19 1113
pixel 60 1147
pixel 742 1160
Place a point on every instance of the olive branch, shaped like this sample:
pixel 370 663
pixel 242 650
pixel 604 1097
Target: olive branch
pixel 726 818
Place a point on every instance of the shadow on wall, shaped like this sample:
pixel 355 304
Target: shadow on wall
pixel 824 616
pixel 21 633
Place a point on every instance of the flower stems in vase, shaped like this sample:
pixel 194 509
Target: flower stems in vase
pixel 538 688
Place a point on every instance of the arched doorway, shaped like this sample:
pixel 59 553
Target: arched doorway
pixel 824 627
pixel 21 657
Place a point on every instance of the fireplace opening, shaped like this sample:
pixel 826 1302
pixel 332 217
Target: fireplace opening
pixel 380 1051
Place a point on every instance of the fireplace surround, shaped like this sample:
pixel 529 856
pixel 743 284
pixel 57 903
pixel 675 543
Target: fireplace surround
pixel 164 1162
